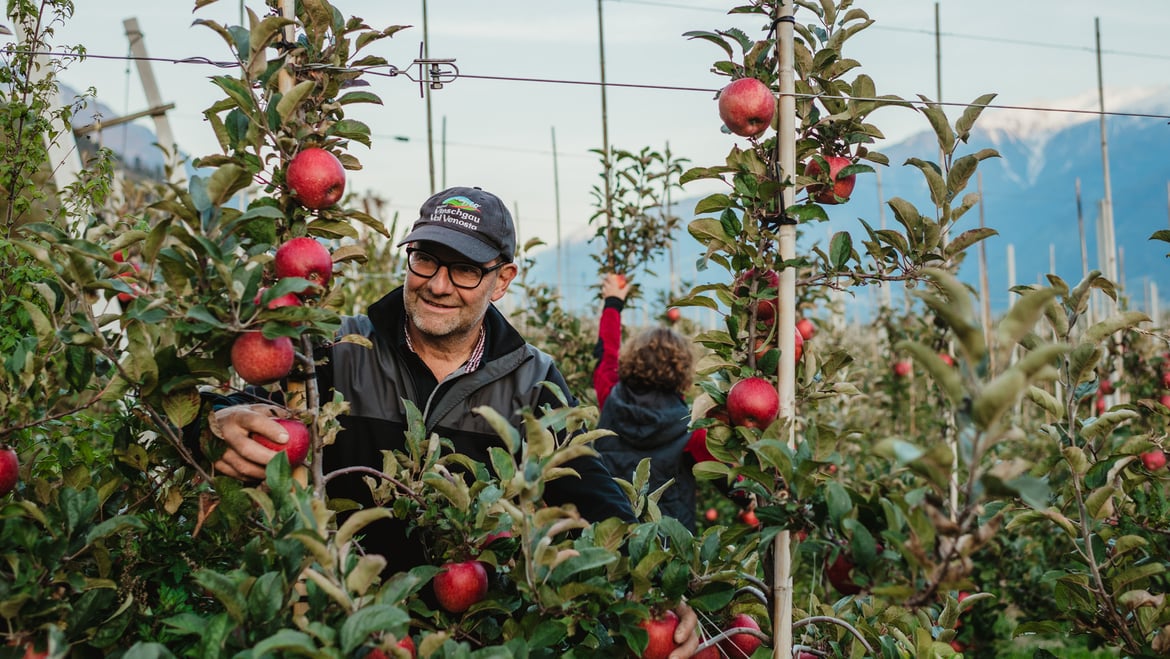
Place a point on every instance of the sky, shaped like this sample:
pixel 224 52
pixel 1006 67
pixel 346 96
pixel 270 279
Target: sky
pixel 528 71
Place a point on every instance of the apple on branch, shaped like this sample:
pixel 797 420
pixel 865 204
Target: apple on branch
pixel 741 644
pixel 306 258
pixel 842 186
pixel 316 178
pixel 673 314
pixel 806 328
pixel 460 585
pixel 297 446
pixel 259 360
pixel 753 403
pixel 1154 460
pixel 9 470
pixel 661 632
pixel 746 107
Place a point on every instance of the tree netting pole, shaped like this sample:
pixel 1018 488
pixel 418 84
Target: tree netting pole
pixel 786 328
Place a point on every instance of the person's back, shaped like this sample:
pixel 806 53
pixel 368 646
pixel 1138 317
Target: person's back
pixel 647 410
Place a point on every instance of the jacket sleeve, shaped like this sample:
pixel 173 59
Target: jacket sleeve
pixel 594 492
pixel 609 345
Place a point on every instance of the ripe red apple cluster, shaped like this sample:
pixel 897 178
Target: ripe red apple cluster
pixel 260 360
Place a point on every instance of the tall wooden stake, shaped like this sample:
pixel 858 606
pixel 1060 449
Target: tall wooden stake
pixel 605 141
pixel 560 241
pixel 162 127
pixel 786 325
pixel 430 121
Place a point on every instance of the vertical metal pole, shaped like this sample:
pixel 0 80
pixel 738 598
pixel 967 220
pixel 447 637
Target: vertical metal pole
pixel 605 141
pixel 560 241
pixel 786 323
pixel 443 153
pixel 430 121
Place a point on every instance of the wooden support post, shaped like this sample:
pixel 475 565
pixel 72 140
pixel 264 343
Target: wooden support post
pixel 162 126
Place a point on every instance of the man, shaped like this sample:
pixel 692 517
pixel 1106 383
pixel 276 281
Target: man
pixel 439 342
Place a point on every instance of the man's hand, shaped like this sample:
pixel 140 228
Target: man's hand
pixel 686 635
pixel 244 458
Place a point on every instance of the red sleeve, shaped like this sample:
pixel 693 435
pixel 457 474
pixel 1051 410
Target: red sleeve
pixel 697 446
pixel 609 333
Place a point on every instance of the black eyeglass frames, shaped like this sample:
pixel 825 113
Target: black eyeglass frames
pixel 460 273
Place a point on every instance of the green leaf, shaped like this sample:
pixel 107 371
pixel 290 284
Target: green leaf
pixel 840 250
pixel 713 204
pixel 182 406
pixel 292 98
pixel 266 596
pixel 1115 323
pixel 838 500
pixel 290 641
pixel 996 397
pixel 970 115
pixel 360 625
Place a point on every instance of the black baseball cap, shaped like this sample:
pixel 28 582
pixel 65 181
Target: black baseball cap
pixel 471 221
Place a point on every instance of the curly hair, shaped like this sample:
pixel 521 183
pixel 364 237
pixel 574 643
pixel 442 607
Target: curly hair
pixel 657 359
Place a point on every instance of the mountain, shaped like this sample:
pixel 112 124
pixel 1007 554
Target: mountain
pixel 1029 198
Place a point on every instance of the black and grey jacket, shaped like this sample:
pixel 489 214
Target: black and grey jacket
pixel 376 380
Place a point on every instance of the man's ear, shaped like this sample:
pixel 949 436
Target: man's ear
pixel 504 278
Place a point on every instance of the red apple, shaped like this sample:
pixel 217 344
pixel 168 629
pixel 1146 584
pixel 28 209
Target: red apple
pixel 661 631
pixel 1154 460
pixel 709 652
pixel 1164 399
pixel 460 585
pixel 840 574
pixel 753 403
pixel 125 298
pixel 620 279
pixel 9 470
pixel 749 517
pixel 806 328
pixel 711 514
pixel 286 300
pixel 119 256
pixel 1166 380
pixel 1106 387
pixel 1100 405
pixel 304 257
pixel 902 368
pixel 947 359
pixel 30 652
pixel 297 446
pixel 741 644
pixel 262 361
pixel 316 178
pixel 407 643
pixel 763 346
pixel 841 188
pixel 957 646
pixel 746 107
pixel 673 314
pixel 807 655
pixel 765 308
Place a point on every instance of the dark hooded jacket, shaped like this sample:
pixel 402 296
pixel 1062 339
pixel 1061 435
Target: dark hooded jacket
pixel 651 424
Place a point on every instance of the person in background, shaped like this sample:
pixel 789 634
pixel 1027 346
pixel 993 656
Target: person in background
pixel 641 390
pixel 439 342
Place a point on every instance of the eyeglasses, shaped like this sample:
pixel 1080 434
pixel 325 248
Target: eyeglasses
pixel 461 274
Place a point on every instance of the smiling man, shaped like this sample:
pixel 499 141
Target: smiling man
pixel 439 342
